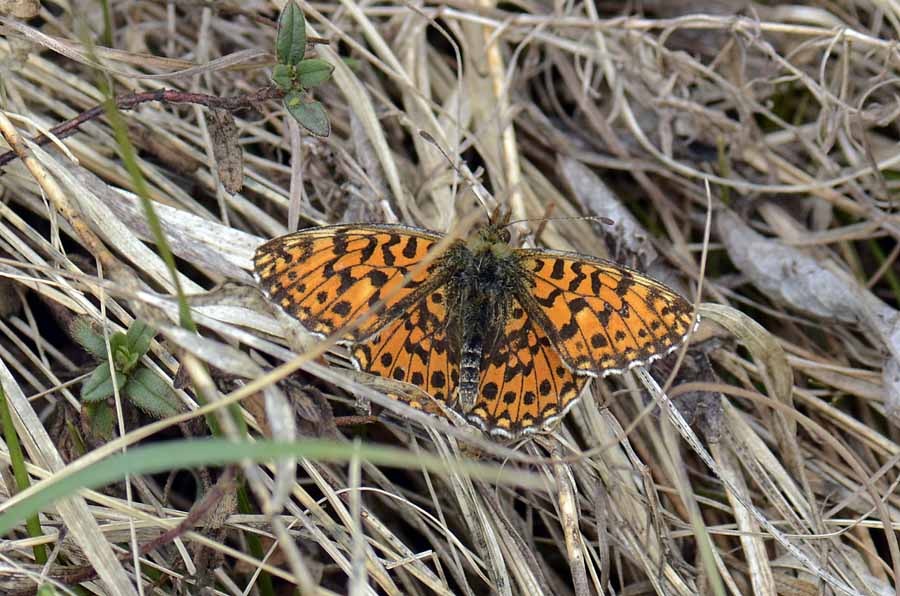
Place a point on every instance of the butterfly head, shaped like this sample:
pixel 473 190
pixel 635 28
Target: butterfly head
pixel 493 239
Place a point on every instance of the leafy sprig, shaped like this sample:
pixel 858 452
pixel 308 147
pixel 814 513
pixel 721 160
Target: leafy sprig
pixel 296 75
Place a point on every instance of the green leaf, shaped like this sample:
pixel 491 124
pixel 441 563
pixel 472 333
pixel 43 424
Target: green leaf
pixel 151 393
pixel 88 336
pixel 353 64
pixel 118 345
pixel 283 76
pixel 20 473
pixel 314 72
pixel 103 421
pixel 139 336
pixel 310 115
pixel 117 342
pixel 124 360
pixel 290 44
pixel 99 385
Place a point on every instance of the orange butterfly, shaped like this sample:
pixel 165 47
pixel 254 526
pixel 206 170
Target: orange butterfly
pixel 508 337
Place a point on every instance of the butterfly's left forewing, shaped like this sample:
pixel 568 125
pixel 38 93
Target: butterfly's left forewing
pixel 332 276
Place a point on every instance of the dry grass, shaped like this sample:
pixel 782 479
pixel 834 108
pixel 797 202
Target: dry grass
pixel 792 384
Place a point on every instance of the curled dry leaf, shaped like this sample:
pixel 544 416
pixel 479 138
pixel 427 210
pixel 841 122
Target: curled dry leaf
pixel 598 200
pixel 226 149
pixel 786 274
pixel 202 241
pixel 218 354
pixel 815 287
pixel 20 9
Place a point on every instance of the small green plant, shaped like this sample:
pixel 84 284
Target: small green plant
pixel 136 383
pixel 296 75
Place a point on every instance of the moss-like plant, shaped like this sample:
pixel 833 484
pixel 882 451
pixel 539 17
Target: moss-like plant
pixel 138 384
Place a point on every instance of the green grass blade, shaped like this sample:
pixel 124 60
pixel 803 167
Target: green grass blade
pixel 172 455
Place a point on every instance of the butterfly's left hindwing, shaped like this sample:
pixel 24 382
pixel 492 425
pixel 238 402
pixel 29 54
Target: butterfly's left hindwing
pixel 415 349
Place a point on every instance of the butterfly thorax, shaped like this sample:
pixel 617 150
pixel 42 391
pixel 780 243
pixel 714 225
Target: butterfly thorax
pixel 485 274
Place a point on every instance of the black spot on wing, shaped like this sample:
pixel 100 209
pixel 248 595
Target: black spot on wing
pixel 411 248
pixel 578 277
pixel 559 270
pixel 386 254
pixel 377 277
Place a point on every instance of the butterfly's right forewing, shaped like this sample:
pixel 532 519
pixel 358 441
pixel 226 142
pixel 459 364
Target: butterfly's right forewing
pixel 602 318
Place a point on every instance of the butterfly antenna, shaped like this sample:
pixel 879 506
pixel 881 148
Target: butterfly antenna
pixel 481 193
pixel 599 218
